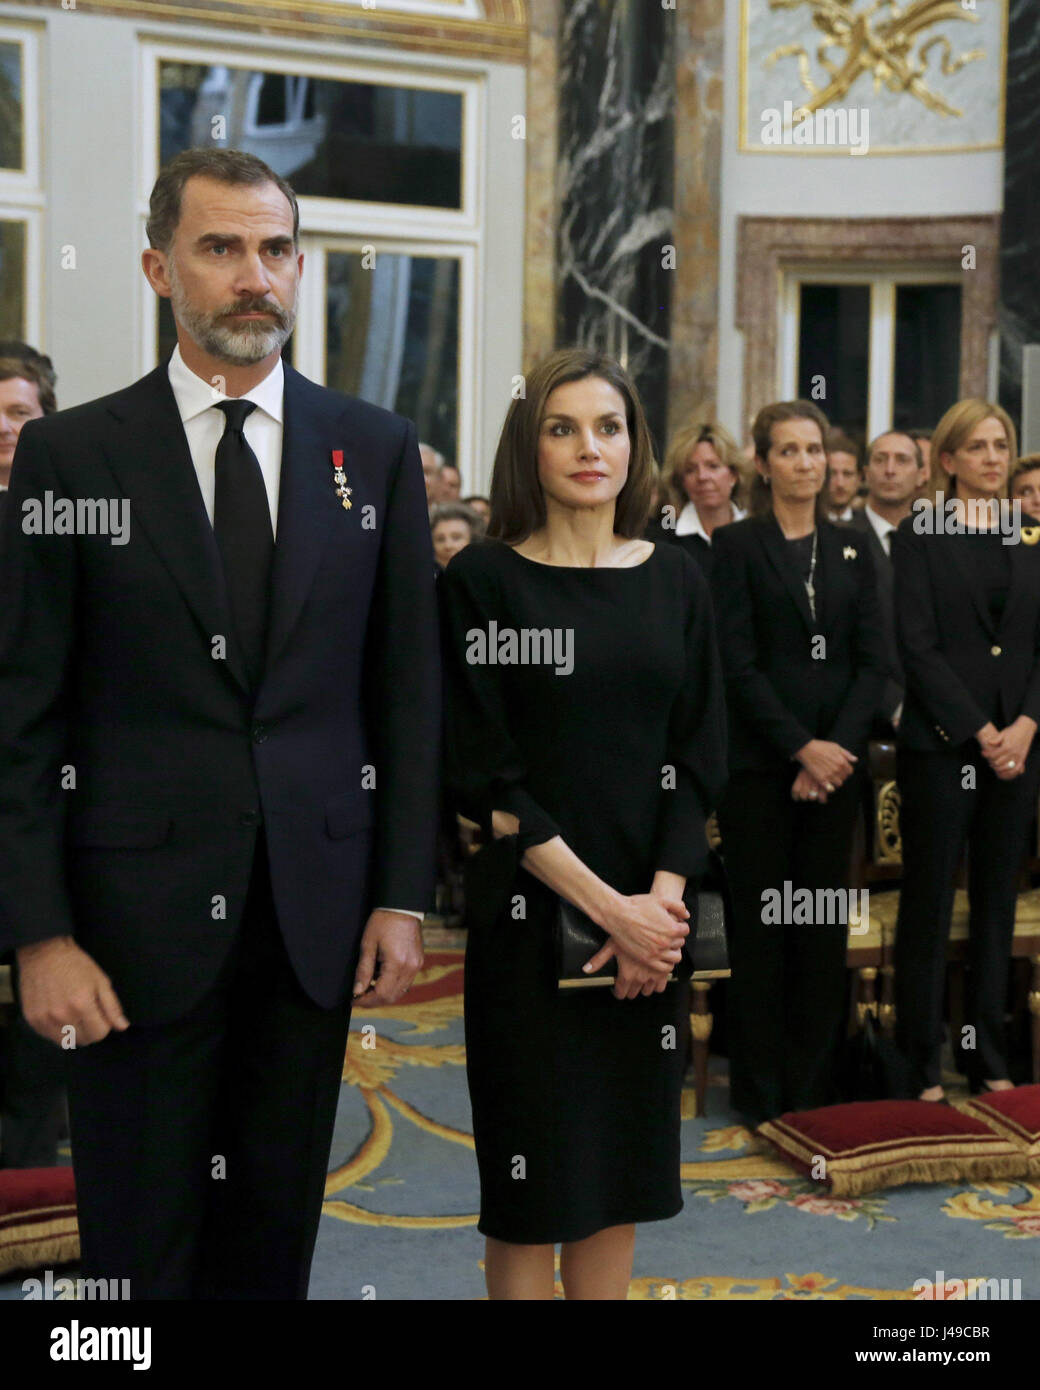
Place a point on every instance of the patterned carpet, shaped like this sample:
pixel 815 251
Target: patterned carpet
pixel 400 1213
pixel 401 1199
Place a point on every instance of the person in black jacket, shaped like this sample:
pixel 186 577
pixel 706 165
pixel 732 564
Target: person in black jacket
pixel 800 638
pixel 222 689
pixel 894 474
pixel 32 1075
pixel 968 624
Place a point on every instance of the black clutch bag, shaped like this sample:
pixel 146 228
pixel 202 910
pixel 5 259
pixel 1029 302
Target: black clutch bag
pixel 577 938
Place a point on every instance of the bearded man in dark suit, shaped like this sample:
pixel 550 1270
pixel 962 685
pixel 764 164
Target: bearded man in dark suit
pixel 219 704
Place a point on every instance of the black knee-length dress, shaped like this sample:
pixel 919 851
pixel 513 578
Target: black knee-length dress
pixel 618 745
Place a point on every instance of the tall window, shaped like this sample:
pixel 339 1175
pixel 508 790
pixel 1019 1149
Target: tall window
pixel 388 220
pixel 876 351
pixel 21 193
pixel 392 336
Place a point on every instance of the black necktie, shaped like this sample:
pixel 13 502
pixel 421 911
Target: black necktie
pixel 242 524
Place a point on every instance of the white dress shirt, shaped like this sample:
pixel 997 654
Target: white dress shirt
pixel 204 425
pixel 882 529
pixel 688 522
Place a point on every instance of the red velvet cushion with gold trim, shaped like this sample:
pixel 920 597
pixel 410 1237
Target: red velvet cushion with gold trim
pixel 38 1227
pixel 872 1144
pixel 1015 1114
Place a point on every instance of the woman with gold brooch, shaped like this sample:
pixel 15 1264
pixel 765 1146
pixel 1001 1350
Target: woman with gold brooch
pixel 967 603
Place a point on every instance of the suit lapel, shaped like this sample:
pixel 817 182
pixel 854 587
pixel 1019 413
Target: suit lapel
pixel 775 546
pixel 150 458
pixel 880 556
pixel 307 501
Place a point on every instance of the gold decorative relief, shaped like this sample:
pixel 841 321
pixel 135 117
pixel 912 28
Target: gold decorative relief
pixel 872 76
pixel 888 845
pixel 896 51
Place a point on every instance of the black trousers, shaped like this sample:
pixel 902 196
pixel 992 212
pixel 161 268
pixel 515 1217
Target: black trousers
pixel 200 1147
pixel 938 816
pixel 786 998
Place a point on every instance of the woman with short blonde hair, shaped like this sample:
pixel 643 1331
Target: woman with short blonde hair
pixel 703 476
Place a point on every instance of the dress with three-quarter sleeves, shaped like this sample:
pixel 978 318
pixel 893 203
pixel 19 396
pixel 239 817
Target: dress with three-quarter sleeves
pixel 588 703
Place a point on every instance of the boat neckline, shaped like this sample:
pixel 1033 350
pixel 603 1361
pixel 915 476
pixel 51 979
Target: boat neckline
pixel 582 569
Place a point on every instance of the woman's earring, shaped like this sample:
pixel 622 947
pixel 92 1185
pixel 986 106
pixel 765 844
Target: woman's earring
pixel 765 479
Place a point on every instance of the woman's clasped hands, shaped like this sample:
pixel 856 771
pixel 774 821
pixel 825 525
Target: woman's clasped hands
pixel 1006 750
pixel 646 933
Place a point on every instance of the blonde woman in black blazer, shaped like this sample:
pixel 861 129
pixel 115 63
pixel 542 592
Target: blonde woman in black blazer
pixel 968 626
pixel 802 652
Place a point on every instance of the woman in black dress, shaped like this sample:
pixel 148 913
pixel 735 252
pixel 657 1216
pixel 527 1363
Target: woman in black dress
pixel 968 623
pixel 800 636
pixel 591 765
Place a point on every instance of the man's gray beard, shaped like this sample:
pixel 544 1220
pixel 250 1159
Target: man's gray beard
pixel 238 347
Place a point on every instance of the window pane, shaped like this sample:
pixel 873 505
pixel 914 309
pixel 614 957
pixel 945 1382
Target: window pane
pixel 167 335
pixel 11 156
pixel 392 337
pixel 928 354
pixel 270 103
pixel 359 140
pixel 12 279
pixel 834 343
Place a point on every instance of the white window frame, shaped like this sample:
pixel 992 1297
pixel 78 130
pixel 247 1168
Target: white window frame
pixel 417 229
pixel 881 357
pixel 32 219
pixel 25 182
pixel 309 346
pixel 435 9
pixel 22 196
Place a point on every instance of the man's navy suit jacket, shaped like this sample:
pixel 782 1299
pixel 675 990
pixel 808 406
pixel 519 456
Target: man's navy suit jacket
pixel 135 765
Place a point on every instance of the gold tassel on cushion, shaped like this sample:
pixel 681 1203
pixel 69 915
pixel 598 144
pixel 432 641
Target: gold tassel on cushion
pixel 845 1182
pixel 40 1245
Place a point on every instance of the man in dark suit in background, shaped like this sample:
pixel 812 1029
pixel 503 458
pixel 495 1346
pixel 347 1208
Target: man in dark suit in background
pixel 26 392
pixel 32 1077
pixel 219 680
pixel 894 474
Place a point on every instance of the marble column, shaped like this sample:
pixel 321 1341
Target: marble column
pixel 693 384
pixel 1020 230
pixel 615 188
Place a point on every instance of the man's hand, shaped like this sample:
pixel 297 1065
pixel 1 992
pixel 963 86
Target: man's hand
pixel 391 956
pixel 61 986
